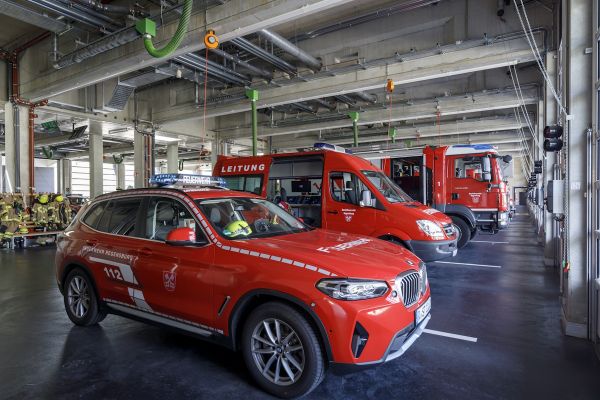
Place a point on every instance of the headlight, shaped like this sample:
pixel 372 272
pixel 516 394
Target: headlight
pixel 352 289
pixel 431 229
pixel 424 278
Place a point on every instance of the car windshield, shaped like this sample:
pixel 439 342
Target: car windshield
pixel 387 187
pixel 248 218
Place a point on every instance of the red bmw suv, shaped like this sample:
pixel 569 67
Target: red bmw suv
pixel 240 271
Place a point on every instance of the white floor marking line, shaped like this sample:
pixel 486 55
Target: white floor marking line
pixel 487 241
pixel 474 265
pixel 451 335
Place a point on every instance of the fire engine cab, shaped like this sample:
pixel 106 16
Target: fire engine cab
pixel 329 188
pixel 463 181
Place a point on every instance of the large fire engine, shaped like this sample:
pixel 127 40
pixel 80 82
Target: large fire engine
pixel 463 181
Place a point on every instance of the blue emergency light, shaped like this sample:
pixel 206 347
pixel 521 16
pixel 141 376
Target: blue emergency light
pixel 329 146
pixel 482 147
pixel 187 179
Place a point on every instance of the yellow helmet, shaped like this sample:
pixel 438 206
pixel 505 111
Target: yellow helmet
pixel 237 228
pixel 23 229
pixel 43 198
pixel 59 198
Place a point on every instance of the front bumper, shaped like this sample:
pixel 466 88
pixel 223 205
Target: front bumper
pixel 432 250
pixel 402 342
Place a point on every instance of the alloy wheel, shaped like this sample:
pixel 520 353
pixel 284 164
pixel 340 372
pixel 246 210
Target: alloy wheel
pixel 79 297
pixel 277 351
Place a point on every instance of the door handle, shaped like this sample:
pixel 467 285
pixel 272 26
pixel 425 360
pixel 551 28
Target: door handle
pixel 332 212
pixel 144 251
pixel 455 196
pixel 91 242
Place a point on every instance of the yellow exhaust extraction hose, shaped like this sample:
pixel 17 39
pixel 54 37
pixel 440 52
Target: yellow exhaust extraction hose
pixel 147 28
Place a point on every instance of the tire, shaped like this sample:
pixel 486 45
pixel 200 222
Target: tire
pixel 295 353
pixel 473 234
pixel 81 300
pixel 399 242
pixel 464 231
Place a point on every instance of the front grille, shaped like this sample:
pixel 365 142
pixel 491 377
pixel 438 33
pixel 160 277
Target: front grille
pixel 449 229
pixel 410 288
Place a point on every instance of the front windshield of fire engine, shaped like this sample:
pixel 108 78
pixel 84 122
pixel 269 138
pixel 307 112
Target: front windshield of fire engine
pixel 387 187
pixel 246 218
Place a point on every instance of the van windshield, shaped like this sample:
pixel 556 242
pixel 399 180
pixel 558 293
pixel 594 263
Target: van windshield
pixel 387 187
pixel 248 218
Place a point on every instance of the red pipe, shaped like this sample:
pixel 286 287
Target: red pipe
pixel 13 58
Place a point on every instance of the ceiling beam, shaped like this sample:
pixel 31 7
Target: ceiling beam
pixel 431 108
pixel 412 132
pixel 457 61
pixel 230 20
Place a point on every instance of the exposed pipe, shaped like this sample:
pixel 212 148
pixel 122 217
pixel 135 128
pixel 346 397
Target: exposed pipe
pixel 253 69
pixel 115 39
pixel 109 8
pixel 369 98
pixel 17 149
pixel 214 69
pixel 79 8
pixel 175 40
pixel 263 54
pixel 73 14
pixel 361 19
pixel 291 49
pixel 17 11
pixel 106 43
pixel 325 104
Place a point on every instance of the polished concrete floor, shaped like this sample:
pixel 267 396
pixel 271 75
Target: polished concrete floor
pixel 512 312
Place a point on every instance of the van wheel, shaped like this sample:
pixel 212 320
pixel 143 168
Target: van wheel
pixel 282 351
pixel 464 231
pixel 81 301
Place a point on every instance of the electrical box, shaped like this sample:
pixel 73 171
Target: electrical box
pixel 555 199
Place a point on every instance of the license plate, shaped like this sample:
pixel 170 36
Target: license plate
pixel 423 311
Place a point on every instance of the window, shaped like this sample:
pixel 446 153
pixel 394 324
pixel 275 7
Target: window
pixel 347 188
pixel 120 216
pixel 387 187
pixel 471 168
pixel 246 218
pixel 93 216
pixel 165 214
pixel 245 183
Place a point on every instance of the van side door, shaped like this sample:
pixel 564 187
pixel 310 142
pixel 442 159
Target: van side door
pixel 343 209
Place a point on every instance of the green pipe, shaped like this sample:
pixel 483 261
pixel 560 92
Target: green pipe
pixel 354 116
pixel 253 96
pixel 147 28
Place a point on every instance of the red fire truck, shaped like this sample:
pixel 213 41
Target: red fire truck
pixel 463 181
pixel 339 191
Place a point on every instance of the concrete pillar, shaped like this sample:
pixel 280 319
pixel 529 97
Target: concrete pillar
pixel 577 36
pixel 138 160
pixel 96 165
pixel 64 176
pixel 16 138
pixel 120 172
pixel 550 118
pixel 172 158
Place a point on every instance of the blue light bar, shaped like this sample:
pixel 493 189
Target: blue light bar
pixel 475 146
pixel 329 146
pixel 187 179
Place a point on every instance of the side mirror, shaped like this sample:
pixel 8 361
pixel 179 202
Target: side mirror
pixel 486 167
pixel 182 237
pixel 507 158
pixel 366 199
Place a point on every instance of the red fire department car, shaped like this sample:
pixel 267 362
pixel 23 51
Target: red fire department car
pixel 342 192
pixel 463 181
pixel 238 270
